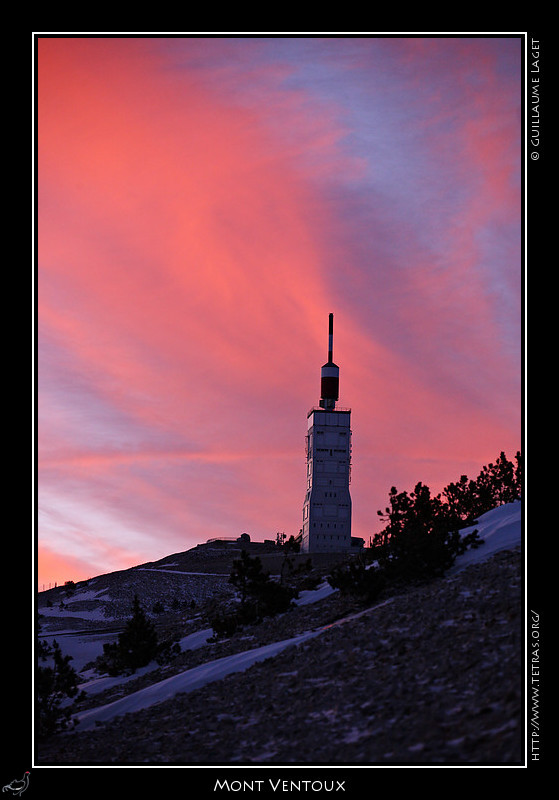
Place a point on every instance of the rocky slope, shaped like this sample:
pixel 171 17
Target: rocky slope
pixel 431 676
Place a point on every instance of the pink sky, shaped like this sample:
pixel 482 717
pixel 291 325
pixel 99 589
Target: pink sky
pixel 203 205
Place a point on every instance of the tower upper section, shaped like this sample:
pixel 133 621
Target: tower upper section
pixel 330 373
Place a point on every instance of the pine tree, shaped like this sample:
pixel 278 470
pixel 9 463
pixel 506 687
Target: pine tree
pixel 421 539
pixel 136 646
pixel 248 577
pixel 518 475
pixel 460 499
pixel 505 480
pixel 55 684
pixel 138 641
pixel 259 596
pixel 358 579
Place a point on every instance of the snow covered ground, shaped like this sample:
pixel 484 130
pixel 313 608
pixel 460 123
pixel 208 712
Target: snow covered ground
pixel 85 647
pixel 500 529
pixel 199 676
pixel 186 681
pixel 80 647
pixel 314 595
pixel 82 653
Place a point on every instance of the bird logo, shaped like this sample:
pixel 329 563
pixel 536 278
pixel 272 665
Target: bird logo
pixel 17 787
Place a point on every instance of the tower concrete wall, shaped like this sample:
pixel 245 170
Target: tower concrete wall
pixel 327 505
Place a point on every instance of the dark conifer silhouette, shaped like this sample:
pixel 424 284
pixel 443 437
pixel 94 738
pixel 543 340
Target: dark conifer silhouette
pixel 259 597
pixel 138 641
pixel 55 684
pixel 136 645
pixel 421 536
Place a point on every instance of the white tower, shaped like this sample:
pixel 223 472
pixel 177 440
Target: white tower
pixel 327 506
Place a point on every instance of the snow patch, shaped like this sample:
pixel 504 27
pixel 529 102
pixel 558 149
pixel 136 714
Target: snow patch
pixel 179 572
pixel 500 529
pixel 314 595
